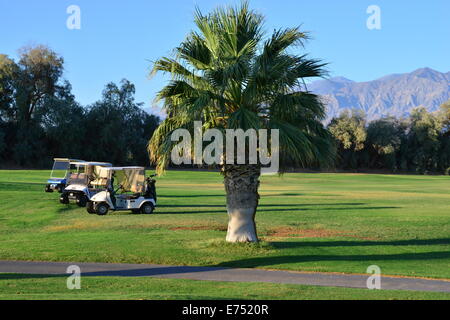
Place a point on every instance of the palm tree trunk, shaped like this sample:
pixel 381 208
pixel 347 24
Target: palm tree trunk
pixel 241 186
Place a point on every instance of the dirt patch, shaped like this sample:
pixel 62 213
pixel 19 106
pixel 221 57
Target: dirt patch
pixel 77 225
pixel 201 227
pixel 288 232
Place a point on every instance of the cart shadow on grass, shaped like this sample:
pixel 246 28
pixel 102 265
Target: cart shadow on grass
pixel 290 208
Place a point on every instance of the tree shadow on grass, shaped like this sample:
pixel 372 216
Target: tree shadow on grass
pixel 255 262
pixel 284 194
pixel 342 243
pixel 263 205
pixel 19 276
pixel 119 272
pixel 368 258
pixel 20 186
pixel 23 184
pixel 191 195
pixel 293 208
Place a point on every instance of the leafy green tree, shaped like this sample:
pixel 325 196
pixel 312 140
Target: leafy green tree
pixel 8 72
pixel 349 131
pixel 3 145
pixel 39 71
pixel 40 118
pixel 143 127
pixel 228 75
pixel 117 128
pixel 64 122
pixel 444 139
pixel 423 140
pixel 444 117
pixel 384 139
pixel 24 88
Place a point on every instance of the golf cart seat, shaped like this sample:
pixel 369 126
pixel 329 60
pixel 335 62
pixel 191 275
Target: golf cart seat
pixel 99 182
pixel 132 196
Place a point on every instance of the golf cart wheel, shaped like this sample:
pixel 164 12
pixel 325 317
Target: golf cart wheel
pixel 48 189
pixel 64 199
pixel 90 207
pixel 102 209
pixel 61 188
pixel 81 201
pixel 147 208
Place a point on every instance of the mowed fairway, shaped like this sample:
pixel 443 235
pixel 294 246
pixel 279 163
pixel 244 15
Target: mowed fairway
pixel 307 222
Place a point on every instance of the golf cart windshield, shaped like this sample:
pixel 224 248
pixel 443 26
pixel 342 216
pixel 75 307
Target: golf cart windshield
pixel 130 180
pixel 59 170
pixel 78 174
pixel 99 177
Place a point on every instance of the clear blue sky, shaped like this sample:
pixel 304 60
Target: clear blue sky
pixel 119 39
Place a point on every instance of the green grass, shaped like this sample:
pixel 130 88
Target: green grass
pixel 307 222
pixel 52 287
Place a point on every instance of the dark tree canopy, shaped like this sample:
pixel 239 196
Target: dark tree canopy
pixel 419 143
pixel 41 119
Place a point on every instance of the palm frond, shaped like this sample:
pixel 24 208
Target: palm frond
pixel 226 75
pixel 244 119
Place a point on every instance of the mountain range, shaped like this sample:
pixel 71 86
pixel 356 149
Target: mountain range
pixel 395 94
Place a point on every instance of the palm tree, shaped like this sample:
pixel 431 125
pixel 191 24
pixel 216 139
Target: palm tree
pixel 229 75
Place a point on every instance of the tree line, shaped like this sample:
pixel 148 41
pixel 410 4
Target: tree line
pixel 419 143
pixel 41 119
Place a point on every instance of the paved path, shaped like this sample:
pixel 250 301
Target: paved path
pixel 221 274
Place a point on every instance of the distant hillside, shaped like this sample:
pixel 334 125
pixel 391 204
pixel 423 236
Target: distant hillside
pixel 394 94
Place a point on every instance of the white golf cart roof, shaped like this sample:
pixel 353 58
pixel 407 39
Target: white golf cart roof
pixel 83 162
pixel 124 168
pixel 92 163
pixel 67 160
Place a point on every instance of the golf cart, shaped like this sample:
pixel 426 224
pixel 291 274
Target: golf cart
pixel 83 182
pixel 128 189
pixel 60 174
